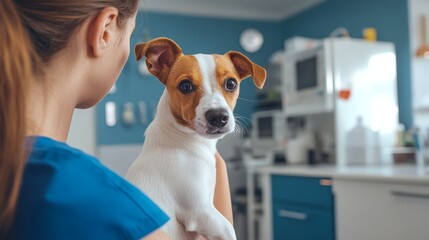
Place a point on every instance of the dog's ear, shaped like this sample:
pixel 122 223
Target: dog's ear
pixel 160 53
pixel 245 68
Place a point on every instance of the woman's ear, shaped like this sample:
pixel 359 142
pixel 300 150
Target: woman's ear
pixel 102 31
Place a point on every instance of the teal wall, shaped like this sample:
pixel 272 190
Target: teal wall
pixel 389 17
pixel 194 35
pixel 211 35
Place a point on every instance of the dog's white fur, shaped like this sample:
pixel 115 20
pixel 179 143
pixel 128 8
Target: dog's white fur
pixel 177 167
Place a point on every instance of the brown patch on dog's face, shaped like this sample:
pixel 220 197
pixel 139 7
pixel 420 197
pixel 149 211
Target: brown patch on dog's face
pixel 183 105
pixel 225 70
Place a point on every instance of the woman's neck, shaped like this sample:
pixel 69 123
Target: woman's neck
pixel 48 116
pixel 50 104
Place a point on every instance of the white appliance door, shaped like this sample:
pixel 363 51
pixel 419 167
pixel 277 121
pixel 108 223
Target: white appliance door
pixel 365 85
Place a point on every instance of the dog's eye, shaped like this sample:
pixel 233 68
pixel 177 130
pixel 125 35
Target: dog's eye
pixel 231 85
pixel 186 86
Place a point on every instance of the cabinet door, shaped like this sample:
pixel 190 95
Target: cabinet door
pixel 303 190
pixel 297 222
pixel 381 211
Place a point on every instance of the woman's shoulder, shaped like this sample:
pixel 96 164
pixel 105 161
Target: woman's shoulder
pixel 71 190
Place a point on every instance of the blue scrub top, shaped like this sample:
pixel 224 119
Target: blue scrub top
pixel 68 194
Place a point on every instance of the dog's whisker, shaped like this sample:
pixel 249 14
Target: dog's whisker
pixel 240 129
pixel 239 122
pixel 245 119
pixel 247 100
pixel 243 123
pixel 237 130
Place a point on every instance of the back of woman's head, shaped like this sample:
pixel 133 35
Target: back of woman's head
pixel 51 23
pixel 31 33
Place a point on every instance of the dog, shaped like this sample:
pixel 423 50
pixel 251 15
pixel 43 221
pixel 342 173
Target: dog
pixel 177 167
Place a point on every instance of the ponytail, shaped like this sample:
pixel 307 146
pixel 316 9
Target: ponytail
pixel 16 56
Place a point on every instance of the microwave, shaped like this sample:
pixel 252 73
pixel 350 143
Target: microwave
pixel 269 130
pixel 308 85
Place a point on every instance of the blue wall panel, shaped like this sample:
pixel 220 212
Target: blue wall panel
pixel 194 35
pixel 211 35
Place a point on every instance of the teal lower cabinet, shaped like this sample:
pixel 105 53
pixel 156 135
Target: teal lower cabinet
pixel 303 208
pixel 302 223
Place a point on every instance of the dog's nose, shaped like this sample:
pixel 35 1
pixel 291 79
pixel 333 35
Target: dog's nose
pixel 217 117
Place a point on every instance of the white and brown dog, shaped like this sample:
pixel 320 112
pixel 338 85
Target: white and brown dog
pixel 176 167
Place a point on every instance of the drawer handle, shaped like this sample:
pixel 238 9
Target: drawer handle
pixel 291 214
pixel 409 194
pixel 325 182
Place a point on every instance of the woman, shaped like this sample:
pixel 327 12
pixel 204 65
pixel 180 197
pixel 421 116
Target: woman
pixel 57 55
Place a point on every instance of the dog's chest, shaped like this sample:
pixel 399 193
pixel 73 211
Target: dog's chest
pixel 193 165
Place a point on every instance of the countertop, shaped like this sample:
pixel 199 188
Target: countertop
pixel 407 174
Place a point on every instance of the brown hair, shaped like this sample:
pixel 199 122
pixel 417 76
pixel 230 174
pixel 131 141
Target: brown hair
pixel 15 70
pixel 31 32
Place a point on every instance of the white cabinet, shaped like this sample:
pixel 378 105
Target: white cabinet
pixel 374 210
pixel 419 66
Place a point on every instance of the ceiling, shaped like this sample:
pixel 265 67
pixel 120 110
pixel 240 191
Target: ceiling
pixel 271 10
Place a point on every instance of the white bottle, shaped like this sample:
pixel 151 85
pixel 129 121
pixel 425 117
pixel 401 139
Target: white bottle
pixel 128 116
pixel 362 145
